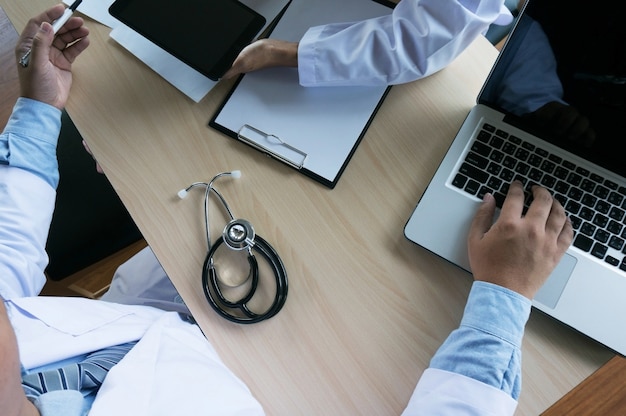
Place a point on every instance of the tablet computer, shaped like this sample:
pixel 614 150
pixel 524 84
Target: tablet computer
pixel 205 34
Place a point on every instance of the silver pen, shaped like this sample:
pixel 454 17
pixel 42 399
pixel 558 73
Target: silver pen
pixel 56 26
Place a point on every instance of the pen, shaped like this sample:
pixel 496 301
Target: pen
pixel 56 26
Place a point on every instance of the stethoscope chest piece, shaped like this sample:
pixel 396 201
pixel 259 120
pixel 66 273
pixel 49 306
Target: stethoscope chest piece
pixel 239 234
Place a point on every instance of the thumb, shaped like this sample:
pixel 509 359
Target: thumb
pixel 483 219
pixel 42 42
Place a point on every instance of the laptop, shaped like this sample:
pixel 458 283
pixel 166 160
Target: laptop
pixel 551 112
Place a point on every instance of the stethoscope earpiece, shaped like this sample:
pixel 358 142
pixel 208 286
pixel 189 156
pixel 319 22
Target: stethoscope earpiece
pixel 238 235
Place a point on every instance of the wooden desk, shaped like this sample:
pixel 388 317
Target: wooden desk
pixel 366 309
pixel 600 394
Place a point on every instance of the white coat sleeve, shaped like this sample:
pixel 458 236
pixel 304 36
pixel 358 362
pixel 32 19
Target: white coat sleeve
pixel 417 39
pixel 28 179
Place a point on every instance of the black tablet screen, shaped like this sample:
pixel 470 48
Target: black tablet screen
pixel 205 34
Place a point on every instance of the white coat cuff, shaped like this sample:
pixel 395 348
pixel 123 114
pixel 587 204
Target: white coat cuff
pixel 441 392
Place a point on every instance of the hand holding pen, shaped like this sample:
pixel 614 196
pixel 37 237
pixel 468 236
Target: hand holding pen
pixel 56 26
pixel 48 77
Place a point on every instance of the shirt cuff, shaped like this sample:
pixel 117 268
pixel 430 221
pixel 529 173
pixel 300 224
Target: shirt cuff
pixel 484 312
pixel 29 140
pixel 307 56
pixel 60 402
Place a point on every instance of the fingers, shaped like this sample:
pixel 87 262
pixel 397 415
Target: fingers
pixel 542 204
pixel 264 53
pixel 38 37
pixel 565 236
pixel 483 219
pixel 41 44
pixel 559 225
pixel 513 205
pixel 548 212
pixel 33 25
pixel 77 39
pixel 246 61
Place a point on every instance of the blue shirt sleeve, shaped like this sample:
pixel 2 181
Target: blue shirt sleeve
pixel 29 140
pixel 487 344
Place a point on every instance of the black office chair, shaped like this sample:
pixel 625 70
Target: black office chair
pixel 89 222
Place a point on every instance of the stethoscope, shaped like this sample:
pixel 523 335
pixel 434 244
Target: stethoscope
pixel 238 235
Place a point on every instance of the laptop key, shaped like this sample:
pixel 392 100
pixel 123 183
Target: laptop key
pixel 483 136
pixel 586 214
pixel 600 220
pixel 588 229
pixel 572 207
pixel 472 187
pixel 509 148
pixel 616 213
pixel 481 148
pixel 499 197
pixel 583 242
pixel 483 191
pixel 459 180
pixel 494 168
pixel 548 181
pixel 602 236
pixel 616 243
pixel 474 173
pixel 599 250
pixel 614 227
pixel 477 160
pixel 507 175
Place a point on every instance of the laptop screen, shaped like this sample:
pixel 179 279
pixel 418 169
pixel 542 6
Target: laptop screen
pixel 562 77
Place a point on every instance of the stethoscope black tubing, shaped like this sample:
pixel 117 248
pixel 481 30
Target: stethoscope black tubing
pixel 223 306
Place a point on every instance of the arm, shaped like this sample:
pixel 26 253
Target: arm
pixel 418 38
pixel 28 167
pixel 479 366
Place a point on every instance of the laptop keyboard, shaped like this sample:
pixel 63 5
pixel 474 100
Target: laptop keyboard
pixel 595 205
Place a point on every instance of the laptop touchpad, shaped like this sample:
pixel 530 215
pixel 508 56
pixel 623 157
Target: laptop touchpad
pixel 550 292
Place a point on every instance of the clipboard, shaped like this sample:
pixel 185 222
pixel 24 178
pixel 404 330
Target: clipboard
pixel 313 130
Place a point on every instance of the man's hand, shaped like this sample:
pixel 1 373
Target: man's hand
pixel 264 53
pixel 519 251
pixel 48 76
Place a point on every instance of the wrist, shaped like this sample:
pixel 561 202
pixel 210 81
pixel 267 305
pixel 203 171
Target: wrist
pixel 284 53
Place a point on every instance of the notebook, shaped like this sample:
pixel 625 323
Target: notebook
pixel 551 112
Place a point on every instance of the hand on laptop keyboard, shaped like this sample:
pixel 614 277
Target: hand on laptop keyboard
pixel 519 251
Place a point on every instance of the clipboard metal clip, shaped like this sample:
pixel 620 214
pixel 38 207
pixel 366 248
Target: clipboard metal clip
pixel 254 137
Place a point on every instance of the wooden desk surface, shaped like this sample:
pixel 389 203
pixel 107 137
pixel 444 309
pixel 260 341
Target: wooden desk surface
pixel 366 308
pixel 602 393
